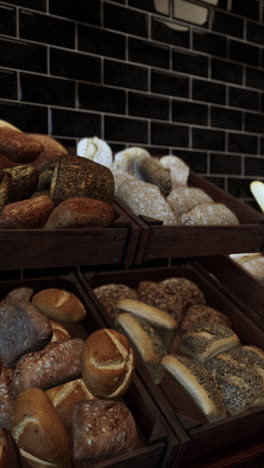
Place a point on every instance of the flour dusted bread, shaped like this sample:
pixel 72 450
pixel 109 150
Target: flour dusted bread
pixel 179 171
pixel 23 329
pixel 210 213
pixel 207 340
pixel 102 429
pixel 198 383
pixel 18 146
pixel 107 363
pixel 55 364
pixel 59 304
pixel 110 294
pixel 27 214
pixel 150 170
pixel 189 292
pixel 96 150
pixel 198 314
pixel 161 296
pixel 6 400
pixel 126 159
pixel 183 199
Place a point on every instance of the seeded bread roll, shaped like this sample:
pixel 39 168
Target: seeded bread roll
pixel 79 213
pixel 24 181
pixel 26 214
pixel 207 340
pixel 210 214
pixel 23 329
pixel 18 146
pixel 107 363
pixel 110 294
pixel 198 314
pixel 79 177
pixel 6 401
pixel 55 364
pixel 102 429
pixel 19 294
pixel 38 429
pixel 164 324
pixel 161 296
pixel 150 170
pixel 198 383
pixel 60 333
pixel 5 184
pixel 65 396
pixel 183 199
pixel 147 342
pixel 190 293
pixel 60 305
pixel 251 356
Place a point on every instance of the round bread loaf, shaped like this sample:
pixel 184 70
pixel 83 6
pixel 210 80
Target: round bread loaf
pixel 75 176
pixel 161 296
pixel 110 294
pixel 49 143
pixel 24 181
pixel 59 304
pixel 60 333
pixel 102 429
pixel 18 146
pixel 38 429
pixel 190 293
pixel 198 314
pixel 107 363
pixel 80 213
pixel 27 214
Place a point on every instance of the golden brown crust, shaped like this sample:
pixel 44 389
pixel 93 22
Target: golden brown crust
pixel 60 333
pixel 18 146
pixel 6 401
pixel 49 143
pixel 159 295
pixel 80 212
pixel 59 304
pixel 27 214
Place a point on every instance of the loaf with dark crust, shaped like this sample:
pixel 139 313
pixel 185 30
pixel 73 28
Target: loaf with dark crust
pixel 5 162
pixel 18 146
pixel 5 184
pixel 79 177
pixel 23 329
pixel 27 214
pixel 24 181
pixel 53 365
pixel 150 170
pixel 6 401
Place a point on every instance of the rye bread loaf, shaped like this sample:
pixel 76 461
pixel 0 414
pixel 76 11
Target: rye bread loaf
pixel 55 364
pixel 23 329
pixel 18 146
pixel 24 181
pixel 6 401
pixel 27 214
pixel 75 176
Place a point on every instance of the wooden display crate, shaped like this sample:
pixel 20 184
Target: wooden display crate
pixel 158 241
pixel 205 439
pixel 156 445
pixel 43 248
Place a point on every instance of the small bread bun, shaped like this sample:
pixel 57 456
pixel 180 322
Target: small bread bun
pixel 49 143
pixel 60 333
pixel 189 291
pixel 60 305
pixel 80 212
pixel 6 401
pixel 26 214
pixel 107 363
pixel 160 296
pixel 110 294
pixel 65 396
pixel 198 314
pixel 38 429
pixel 207 340
pixel 102 429
pixel 198 383
pixel 18 146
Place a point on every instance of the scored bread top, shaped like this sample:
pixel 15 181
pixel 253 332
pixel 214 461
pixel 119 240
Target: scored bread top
pixel 152 315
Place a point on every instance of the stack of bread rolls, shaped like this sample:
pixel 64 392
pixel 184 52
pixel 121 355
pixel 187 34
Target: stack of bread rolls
pixel 60 396
pixel 42 186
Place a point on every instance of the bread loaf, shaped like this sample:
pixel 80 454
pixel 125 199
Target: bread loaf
pixel 60 305
pixel 251 356
pixel 24 181
pixel 159 295
pixel 3 449
pixel 55 364
pixel 49 143
pixel 102 429
pixel 19 294
pixel 23 329
pixel 107 363
pixel 26 214
pixel 5 185
pixel 126 160
pixel 198 314
pixel 179 171
pixel 8 125
pixel 96 150
pixel 110 294
pixel 6 401
pixel 5 162
pixel 65 396
pixel 210 214
pixel 38 429
pixel 60 333
pixel 18 146
pixel 80 213
pixel 189 292
pixel 150 170
pixel 183 199
pixel 79 177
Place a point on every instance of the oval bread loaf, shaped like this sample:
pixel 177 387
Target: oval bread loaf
pixel 27 214
pixel 18 146
pixel 60 305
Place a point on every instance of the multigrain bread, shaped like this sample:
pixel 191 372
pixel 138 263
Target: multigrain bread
pixel 38 430
pixel 198 383
pixel 161 296
pixel 102 429
pixel 150 170
pixel 107 363
pixel 6 401
pixel 198 314
pixel 210 214
pixel 79 177
pixel 59 304
pixel 18 146
pixel 60 333
pixel 251 356
pixel 207 340
pixel 55 364
pixel 24 181
pixel 23 329
pixel 45 165
pixel 79 213
pixel 189 292
pixel 110 294
pixel 27 214
pixel 5 185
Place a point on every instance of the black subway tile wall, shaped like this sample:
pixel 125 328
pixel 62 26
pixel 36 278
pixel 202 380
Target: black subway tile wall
pixel 184 77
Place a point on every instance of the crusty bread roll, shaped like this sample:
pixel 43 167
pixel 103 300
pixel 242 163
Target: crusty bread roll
pixel 198 383
pixel 23 329
pixel 24 181
pixel 65 396
pixel 55 364
pixel 251 356
pixel 6 401
pixel 110 294
pixel 3 449
pixel 60 333
pixel 75 176
pixel 146 340
pixel 189 291
pixel 198 314
pixel 179 171
pixel 49 143
pixel 107 363
pixel 150 170
pixel 80 212
pixel 5 185
pixel 5 163
pixel 210 214
pixel 19 294
pixel 8 125
pixel 164 324
pixel 45 165
pixel 26 214
pixel 38 429
pixel 183 199
pixel 160 296
pixel 207 340
pixel 60 305
pixel 126 159
pixel 18 146
pixel 102 429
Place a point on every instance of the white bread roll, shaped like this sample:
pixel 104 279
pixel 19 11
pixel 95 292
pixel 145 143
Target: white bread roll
pixel 60 305
pixel 96 150
pixel 198 383
pixel 179 171
pixel 126 160
pixel 210 214
pixel 107 363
